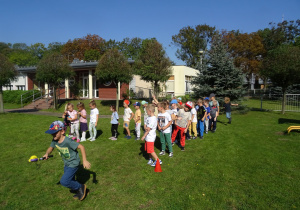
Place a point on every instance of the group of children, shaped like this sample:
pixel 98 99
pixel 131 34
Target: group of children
pixel 174 120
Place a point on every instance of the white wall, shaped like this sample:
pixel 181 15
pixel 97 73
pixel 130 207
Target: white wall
pixel 21 80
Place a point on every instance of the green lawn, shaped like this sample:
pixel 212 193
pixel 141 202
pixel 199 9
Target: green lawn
pixel 250 164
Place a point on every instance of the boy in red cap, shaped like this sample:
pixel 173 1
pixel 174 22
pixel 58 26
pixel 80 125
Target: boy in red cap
pixel 128 115
pixel 68 151
pixel 183 120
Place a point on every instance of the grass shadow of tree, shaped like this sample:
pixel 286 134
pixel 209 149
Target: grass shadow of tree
pixel 288 121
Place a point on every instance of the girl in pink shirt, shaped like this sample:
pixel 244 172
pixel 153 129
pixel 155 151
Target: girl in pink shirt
pixel 82 120
pixel 74 122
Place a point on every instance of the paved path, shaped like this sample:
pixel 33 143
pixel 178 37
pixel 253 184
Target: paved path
pixel 38 112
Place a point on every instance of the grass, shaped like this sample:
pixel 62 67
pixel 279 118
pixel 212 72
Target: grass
pixel 251 163
pixel 11 106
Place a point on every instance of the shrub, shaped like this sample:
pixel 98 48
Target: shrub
pixel 14 96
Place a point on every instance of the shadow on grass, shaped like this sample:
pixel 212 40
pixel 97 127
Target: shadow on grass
pixel 287 121
pixel 83 175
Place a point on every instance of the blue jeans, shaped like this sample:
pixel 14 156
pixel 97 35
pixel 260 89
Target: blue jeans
pixel 200 127
pixel 228 115
pixel 68 178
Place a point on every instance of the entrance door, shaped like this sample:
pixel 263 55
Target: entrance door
pixel 85 87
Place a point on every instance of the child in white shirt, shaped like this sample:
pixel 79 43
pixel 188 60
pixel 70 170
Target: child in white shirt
pixel 150 135
pixel 93 121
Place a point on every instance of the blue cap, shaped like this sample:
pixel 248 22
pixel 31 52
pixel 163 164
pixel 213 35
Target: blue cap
pixel 137 104
pixel 55 127
pixel 174 101
pixel 206 98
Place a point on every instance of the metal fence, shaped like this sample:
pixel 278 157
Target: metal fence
pixel 273 102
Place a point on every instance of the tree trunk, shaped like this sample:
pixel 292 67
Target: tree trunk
pixel 283 102
pixel 156 89
pixel 1 101
pixel 54 98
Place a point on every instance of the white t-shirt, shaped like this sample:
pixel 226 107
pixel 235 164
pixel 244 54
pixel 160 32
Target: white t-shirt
pixel 93 115
pixel 194 112
pixel 127 114
pixel 145 115
pixel 152 124
pixel 163 120
pixel 174 111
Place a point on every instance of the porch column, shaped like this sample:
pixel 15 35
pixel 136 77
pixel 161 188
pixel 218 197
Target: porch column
pixel 119 89
pixel 67 88
pixel 46 89
pixel 90 84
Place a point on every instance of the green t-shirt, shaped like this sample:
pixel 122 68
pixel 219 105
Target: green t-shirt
pixel 68 151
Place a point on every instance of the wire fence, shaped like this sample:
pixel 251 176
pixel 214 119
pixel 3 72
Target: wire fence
pixel 273 102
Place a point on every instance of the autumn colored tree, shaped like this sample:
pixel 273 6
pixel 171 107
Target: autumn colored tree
pixel 247 51
pixel 7 74
pixel 282 66
pixel 113 66
pixel 190 41
pixel 153 64
pixel 76 48
pixel 53 69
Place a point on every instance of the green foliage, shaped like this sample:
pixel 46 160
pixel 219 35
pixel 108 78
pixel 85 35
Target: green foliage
pixel 218 75
pixel 113 66
pixel 91 55
pixel 190 41
pixel 53 69
pixel 153 65
pixel 7 71
pixel 23 58
pixel 14 96
pixel 282 66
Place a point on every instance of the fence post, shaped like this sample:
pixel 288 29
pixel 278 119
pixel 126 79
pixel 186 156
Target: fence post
pixel 261 102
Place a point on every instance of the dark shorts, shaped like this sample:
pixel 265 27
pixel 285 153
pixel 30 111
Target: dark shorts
pixel 83 127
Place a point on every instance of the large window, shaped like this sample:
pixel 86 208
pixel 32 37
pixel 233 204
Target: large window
pixel 188 86
pixel 170 85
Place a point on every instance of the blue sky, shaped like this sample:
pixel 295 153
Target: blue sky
pixel 33 21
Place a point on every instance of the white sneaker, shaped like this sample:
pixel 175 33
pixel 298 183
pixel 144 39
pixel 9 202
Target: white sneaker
pixel 150 162
pixel 90 138
pixel 93 139
pixel 171 154
pixel 82 140
pixel 162 152
pixel 154 163
pixel 113 138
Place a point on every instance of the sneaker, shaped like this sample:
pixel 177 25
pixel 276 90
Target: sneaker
pixel 128 137
pixel 92 139
pixel 137 139
pixel 150 161
pixel 206 132
pixel 173 144
pixel 182 149
pixel 194 137
pixel 74 138
pixel 171 154
pixel 162 152
pixel 154 163
pixel 201 137
pixel 110 137
pixel 82 140
pixel 78 140
pixel 213 131
pixel 81 193
pixel 113 138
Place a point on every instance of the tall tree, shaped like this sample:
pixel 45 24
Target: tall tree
pixel 190 41
pixel 130 47
pixel 76 48
pixel 282 66
pixel 113 66
pixel 23 58
pixel 153 64
pixel 7 74
pixel 37 50
pixel 53 69
pixel 247 51
pixel 218 74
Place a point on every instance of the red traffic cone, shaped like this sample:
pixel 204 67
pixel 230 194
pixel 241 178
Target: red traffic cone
pixel 157 166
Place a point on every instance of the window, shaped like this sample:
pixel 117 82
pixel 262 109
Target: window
pixel 9 87
pixel 21 87
pixel 188 87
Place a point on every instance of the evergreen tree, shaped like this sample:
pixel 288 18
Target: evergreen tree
pixel 218 74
